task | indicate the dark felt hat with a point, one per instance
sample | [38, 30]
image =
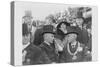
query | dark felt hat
[72, 31]
[48, 29]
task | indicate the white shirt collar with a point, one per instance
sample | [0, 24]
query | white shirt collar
[24, 46]
[47, 43]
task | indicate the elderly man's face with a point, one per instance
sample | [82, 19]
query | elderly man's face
[49, 37]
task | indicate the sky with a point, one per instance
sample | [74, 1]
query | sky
[40, 10]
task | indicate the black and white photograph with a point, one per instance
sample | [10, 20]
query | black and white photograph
[48, 33]
[56, 35]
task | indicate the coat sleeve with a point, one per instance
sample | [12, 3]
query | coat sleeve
[44, 57]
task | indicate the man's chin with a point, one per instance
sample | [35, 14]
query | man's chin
[51, 42]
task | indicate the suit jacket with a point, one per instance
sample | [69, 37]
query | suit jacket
[35, 55]
[49, 51]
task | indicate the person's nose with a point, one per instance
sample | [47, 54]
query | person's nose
[53, 38]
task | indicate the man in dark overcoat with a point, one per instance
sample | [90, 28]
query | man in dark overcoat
[48, 46]
[34, 55]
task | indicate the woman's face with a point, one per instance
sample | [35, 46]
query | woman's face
[79, 21]
[63, 26]
[72, 37]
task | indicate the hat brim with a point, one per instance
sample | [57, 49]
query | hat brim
[27, 16]
[72, 33]
[48, 32]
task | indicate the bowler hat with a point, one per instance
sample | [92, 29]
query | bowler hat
[48, 29]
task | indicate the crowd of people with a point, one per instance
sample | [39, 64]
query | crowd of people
[56, 42]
